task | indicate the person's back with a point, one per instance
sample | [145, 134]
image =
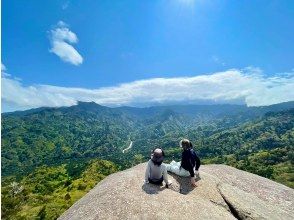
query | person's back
[189, 162]
[156, 171]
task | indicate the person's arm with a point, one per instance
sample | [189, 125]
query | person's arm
[190, 168]
[147, 172]
[198, 163]
[192, 174]
[165, 178]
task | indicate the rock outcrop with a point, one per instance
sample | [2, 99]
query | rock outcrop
[223, 192]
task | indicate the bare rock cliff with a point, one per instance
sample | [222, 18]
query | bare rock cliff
[223, 192]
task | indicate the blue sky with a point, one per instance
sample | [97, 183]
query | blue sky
[98, 45]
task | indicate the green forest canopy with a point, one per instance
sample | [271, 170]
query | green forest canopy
[51, 157]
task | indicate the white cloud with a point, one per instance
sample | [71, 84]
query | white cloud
[61, 39]
[232, 86]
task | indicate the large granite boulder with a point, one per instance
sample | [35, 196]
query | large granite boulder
[223, 192]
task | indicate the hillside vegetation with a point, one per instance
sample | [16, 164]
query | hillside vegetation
[48, 191]
[52, 156]
[264, 147]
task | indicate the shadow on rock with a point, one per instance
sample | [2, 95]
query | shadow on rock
[152, 189]
[182, 184]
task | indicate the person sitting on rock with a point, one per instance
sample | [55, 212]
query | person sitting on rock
[156, 171]
[189, 162]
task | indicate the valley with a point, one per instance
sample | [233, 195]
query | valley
[62, 153]
[128, 148]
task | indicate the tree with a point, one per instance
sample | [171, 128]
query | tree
[42, 213]
[138, 158]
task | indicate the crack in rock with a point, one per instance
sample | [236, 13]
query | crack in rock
[232, 209]
[215, 197]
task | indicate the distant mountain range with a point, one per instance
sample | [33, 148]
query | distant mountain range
[192, 110]
[87, 130]
[52, 156]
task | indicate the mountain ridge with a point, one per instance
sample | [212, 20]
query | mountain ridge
[180, 108]
[62, 142]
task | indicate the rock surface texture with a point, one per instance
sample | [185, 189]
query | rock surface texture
[223, 192]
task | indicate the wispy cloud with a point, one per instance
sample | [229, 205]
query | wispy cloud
[65, 5]
[61, 39]
[217, 60]
[4, 71]
[249, 86]
[3, 68]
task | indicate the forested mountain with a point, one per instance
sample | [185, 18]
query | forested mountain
[264, 147]
[48, 136]
[60, 146]
[48, 191]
